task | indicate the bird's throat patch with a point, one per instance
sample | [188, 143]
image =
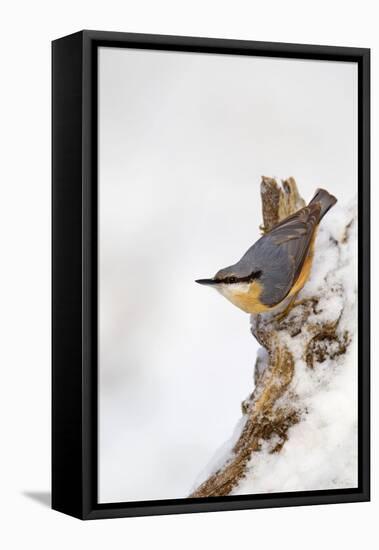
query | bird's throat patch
[245, 296]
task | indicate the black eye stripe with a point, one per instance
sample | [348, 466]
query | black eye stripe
[251, 277]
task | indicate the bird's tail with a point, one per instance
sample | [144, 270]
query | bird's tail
[325, 199]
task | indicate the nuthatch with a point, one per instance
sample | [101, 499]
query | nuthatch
[273, 270]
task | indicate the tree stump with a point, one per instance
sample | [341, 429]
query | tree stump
[304, 335]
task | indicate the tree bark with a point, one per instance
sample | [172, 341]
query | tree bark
[272, 407]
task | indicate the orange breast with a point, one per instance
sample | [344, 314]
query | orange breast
[250, 301]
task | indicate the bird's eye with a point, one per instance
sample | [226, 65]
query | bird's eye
[232, 280]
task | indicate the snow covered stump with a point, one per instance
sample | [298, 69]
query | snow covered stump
[299, 425]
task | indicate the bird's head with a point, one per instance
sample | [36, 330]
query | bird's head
[235, 285]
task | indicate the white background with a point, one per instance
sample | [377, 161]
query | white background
[27, 30]
[184, 139]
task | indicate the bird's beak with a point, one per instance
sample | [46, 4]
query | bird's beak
[207, 281]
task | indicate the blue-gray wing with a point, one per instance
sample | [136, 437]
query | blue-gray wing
[281, 253]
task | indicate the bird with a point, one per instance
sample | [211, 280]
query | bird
[275, 268]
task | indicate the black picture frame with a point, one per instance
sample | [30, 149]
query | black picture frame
[74, 273]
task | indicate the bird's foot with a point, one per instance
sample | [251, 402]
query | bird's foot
[289, 307]
[282, 315]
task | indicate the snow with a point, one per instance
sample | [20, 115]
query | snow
[321, 450]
